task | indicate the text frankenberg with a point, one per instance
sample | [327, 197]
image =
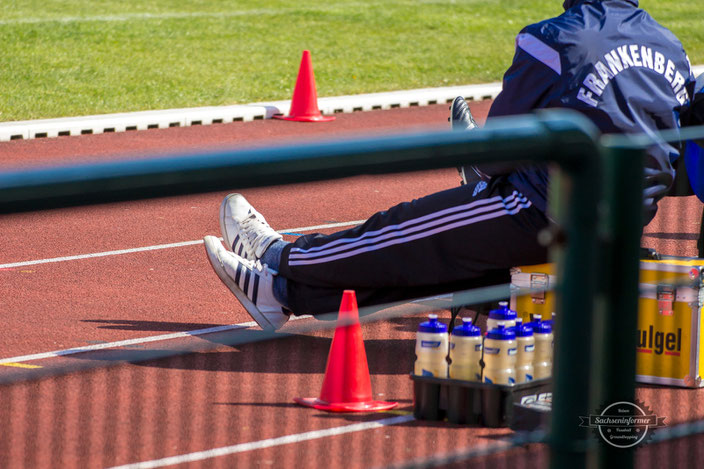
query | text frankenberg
[624, 57]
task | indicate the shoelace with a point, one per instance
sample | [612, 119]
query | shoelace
[256, 266]
[264, 269]
[256, 231]
[259, 267]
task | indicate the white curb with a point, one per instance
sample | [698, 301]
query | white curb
[245, 112]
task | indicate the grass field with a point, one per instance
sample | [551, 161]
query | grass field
[79, 57]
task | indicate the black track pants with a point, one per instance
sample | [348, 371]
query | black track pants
[448, 241]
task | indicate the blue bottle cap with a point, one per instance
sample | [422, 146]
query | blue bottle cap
[532, 324]
[542, 327]
[503, 313]
[501, 333]
[524, 331]
[432, 325]
[467, 329]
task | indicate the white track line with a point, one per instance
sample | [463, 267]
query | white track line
[132, 342]
[282, 440]
[99, 254]
[126, 343]
[161, 246]
[143, 340]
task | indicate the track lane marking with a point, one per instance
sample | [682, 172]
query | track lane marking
[143, 340]
[124, 343]
[16, 361]
[19, 365]
[160, 246]
[100, 254]
[268, 443]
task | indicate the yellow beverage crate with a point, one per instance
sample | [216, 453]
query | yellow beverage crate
[669, 349]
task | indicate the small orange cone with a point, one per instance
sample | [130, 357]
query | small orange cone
[304, 105]
[346, 386]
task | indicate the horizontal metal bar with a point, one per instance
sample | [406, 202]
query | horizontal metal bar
[531, 138]
[647, 140]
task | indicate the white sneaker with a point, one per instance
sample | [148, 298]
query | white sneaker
[250, 281]
[245, 230]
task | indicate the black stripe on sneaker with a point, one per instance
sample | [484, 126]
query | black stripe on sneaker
[234, 243]
[255, 288]
[245, 288]
[238, 274]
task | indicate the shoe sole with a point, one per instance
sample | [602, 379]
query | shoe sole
[250, 307]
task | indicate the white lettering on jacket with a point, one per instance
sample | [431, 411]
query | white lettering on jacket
[627, 56]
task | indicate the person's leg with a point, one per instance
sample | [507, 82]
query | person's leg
[440, 243]
[307, 299]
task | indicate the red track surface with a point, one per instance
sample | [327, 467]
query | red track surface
[109, 412]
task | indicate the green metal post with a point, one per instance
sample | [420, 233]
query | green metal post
[619, 288]
[575, 293]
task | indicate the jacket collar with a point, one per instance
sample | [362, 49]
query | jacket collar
[570, 3]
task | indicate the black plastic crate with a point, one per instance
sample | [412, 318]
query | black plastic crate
[471, 402]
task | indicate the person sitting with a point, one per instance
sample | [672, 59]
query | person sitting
[607, 59]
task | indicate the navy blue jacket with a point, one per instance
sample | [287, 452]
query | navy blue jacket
[614, 63]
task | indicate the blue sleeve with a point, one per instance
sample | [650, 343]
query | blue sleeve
[526, 83]
[694, 151]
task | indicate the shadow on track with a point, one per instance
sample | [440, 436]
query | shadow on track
[152, 326]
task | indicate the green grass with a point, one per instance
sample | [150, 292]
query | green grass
[79, 57]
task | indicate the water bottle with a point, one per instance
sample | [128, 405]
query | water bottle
[519, 324]
[525, 345]
[551, 321]
[535, 318]
[466, 351]
[542, 361]
[502, 316]
[431, 348]
[500, 356]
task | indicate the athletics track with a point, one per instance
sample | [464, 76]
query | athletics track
[118, 282]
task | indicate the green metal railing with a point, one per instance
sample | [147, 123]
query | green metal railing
[538, 140]
[598, 263]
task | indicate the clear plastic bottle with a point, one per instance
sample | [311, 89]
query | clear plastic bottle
[501, 316]
[542, 361]
[431, 348]
[466, 351]
[500, 356]
[526, 350]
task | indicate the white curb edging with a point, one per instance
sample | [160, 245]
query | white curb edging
[246, 112]
[186, 117]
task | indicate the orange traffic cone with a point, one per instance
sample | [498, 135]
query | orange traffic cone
[304, 105]
[346, 386]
